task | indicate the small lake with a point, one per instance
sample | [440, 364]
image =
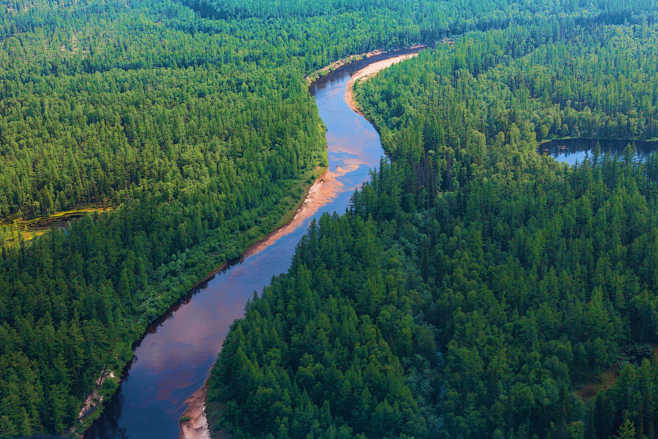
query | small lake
[572, 151]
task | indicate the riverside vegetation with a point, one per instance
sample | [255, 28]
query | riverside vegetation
[474, 288]
[191, 119]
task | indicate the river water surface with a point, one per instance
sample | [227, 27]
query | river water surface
[174, 358]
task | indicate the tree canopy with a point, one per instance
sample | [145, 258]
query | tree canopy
[474, 287]
[192, 120]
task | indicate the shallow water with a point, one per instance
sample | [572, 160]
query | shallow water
[174, 358]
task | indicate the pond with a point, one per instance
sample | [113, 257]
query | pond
[572, 151]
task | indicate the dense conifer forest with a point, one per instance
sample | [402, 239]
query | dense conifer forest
[497, 282]
[474, 289]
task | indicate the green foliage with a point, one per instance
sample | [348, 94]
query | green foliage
[627, 431]
[514, 88]
[487, 281]
[629, 407]
[319, 352]
[192, 117]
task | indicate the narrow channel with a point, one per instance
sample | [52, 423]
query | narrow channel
[174, 358]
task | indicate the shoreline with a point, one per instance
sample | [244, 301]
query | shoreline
[193, 422]
[315, 196]
[370, 71]
[317, 75]
[597, 139]
[327, 70]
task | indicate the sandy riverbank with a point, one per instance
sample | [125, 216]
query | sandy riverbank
[341, 63]
[195, 424]
[368, 72]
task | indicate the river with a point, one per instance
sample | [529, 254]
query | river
[174, 358]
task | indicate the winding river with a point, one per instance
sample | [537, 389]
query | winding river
[174, 358]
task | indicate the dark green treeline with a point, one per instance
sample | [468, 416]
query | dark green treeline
[191, 119]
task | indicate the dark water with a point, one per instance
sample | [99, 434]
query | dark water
[574, 151]
[175, 357]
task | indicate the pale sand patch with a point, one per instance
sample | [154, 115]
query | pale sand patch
[368, 72]
[94, 398]
[197, 425]
[322, 192]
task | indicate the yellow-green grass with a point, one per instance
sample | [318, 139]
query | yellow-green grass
[20, 229]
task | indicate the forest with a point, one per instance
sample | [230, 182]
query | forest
[192, 121]
[475, 288]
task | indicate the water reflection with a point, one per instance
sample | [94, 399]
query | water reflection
[575, 151]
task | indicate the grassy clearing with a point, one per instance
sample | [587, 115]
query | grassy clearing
[20, 229]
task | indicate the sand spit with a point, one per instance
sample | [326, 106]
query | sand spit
[193, 423]
[368, 72]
